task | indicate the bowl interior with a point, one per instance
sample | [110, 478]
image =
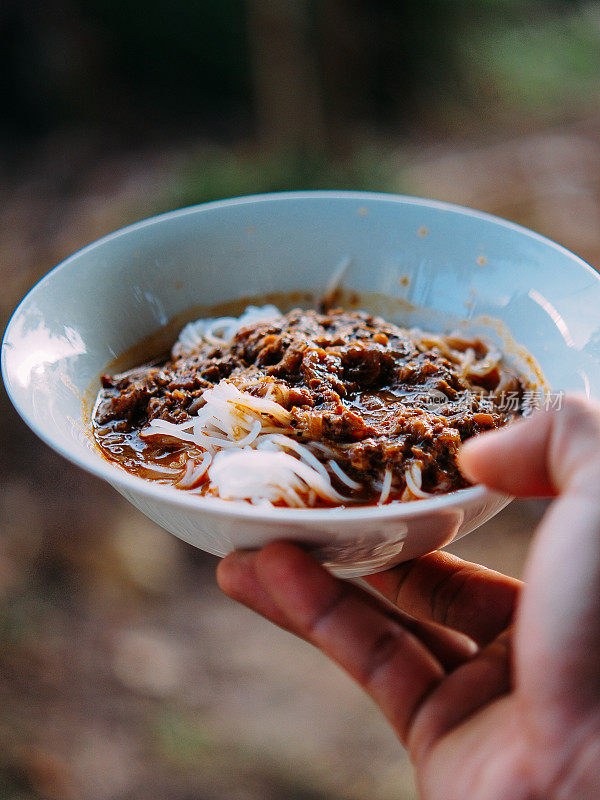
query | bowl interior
[414, 261]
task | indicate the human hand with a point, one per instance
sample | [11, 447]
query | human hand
[493, 686]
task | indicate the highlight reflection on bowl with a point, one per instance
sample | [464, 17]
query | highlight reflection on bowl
[106, 298]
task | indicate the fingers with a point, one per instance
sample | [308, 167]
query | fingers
[444, 589]
[512, 459]
[537, 456]
[385, 658]
[558, 621]
[237, 576]
[470, 688]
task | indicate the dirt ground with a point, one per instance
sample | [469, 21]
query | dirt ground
[124, 673]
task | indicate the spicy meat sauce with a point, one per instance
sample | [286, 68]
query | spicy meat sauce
[363, 388]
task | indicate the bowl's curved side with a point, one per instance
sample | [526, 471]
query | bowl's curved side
[456, 262]
[349, 546]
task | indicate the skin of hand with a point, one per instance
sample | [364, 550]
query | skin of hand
[492, 685]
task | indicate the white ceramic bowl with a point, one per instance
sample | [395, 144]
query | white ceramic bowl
[413, 254]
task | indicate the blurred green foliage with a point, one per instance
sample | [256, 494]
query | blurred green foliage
[137, 70]
[549, 69]
[218, 173]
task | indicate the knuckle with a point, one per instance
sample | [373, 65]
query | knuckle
[382, 652]
[403, 573]
[448, 593]
[326, 612]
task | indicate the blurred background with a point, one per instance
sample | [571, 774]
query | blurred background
[124, 673]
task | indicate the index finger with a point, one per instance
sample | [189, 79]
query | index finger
[238, 577]
[386, 659]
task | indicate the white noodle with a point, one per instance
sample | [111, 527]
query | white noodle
[193, 472]
[303, 452]
[486, 364]
[161, 470]
[246, 452]
[214, 443]
[460, 351]
[414, 478]
[184, 481]
[220, 330]
[171, 427]
[251, 436]
[321, 448]
[262, 501]
[339, 472]
[244, 474]
[232, 423]
[467, 361]
[156, 431]
[386, 486]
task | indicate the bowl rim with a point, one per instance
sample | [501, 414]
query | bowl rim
[122, 480]
[313, 194]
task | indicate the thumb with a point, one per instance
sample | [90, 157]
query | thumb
[537, 456]
[558, 620]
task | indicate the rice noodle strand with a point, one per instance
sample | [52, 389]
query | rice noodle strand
[245, 452]
[341, 475]
[413, 477]
[220, 330]
[242, 431]
[385, 489]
